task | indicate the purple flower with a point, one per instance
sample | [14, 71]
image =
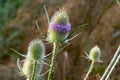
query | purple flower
[60, 27]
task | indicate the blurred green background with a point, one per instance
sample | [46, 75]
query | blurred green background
[18, 28]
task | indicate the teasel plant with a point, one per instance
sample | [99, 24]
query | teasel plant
[59, 28]
[34, 60]
[58, 33]
[94, 56]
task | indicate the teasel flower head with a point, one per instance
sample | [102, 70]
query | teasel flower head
[36, 52]
[59, 27]
[95, 53]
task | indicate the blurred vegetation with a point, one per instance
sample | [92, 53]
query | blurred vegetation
[8, 10]
[17, 28]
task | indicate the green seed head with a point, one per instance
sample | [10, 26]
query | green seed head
[36, 50]
[28, 68]
[95, 53]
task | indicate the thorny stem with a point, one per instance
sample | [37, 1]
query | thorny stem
[52, 61]
[112, 65]
[34, 70]
[90, 69]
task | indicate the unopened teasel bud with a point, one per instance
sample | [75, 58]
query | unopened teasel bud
[36, 50]
[95, 53]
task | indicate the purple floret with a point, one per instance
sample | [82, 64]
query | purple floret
[60, 27]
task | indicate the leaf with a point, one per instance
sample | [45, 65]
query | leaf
[75, 30]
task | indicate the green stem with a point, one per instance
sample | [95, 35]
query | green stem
[90, 69]
[52, 61]
[34, 70]
[112, 65]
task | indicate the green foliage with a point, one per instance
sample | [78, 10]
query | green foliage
[7, 41]
[8, 9]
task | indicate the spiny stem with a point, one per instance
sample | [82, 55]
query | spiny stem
[90, 69]
[52, 61]
[34, 70]
[112, 65]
